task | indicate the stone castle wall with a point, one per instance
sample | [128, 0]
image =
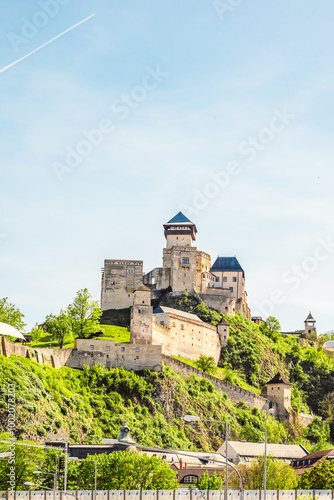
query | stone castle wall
[235, 393]
[186, 338]
[91, 352]
[119, 280]
[221, 300]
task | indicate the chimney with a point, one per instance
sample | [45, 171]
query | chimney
[185, 465]
[181, 464]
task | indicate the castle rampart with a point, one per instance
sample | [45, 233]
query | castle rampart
[237, 394]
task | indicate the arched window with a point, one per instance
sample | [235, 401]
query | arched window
[190, 479]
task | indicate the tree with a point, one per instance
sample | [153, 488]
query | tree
[59, 327]
[279, 475]
[122, 470]
[37, 332]
[206, 363]
[320, 477]
[20, 466]
[207, 482]
[271, 327]
[11, 315]
[84, 313]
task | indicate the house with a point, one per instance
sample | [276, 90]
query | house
[240, 451]
[308, 461]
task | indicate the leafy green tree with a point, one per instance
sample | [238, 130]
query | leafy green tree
[280, 476]
[23, 461]
[37, 332]
[84, 313]
[318, 432]
[122, 470]
[59, 327]
[11, 315]
[321, 476]
[207, 482]
[206, 364]
[271, 327]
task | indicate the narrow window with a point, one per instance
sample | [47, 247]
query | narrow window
[92, 348]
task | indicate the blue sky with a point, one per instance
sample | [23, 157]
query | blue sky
[186, 93]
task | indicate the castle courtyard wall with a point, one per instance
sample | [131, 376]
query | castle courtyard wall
[184, 337]
[221, 300]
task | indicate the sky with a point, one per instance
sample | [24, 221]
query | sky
[116, 115]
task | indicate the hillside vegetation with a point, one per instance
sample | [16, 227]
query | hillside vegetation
[91, 404]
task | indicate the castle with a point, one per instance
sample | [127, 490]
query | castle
[221, 286]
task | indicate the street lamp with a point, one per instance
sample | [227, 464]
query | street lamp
[271, 411]
[28, 483]
[54, 480]
[190, 418]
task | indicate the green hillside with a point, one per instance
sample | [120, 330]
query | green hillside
[91, 404]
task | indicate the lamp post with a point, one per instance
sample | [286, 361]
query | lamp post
[28, 483]
[54, 479]
[191, 418]
[270, 412]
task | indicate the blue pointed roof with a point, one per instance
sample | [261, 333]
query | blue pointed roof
[179, 218]
[226, 264]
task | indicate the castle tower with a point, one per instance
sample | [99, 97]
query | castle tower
[222, 330]
[141, 316]
[310, 325]
[179, 256]
[279, 392]
[180, 231]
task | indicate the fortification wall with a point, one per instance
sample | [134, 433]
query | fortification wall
[185, 338]
[221, 300]
[235, 393]
[119, 279]
[92, 352]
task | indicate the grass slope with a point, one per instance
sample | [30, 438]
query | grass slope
[91, 404]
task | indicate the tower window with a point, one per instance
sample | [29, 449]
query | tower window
[225, 279]
[184, 274]
[217, 278]
[92, 348]
[231, 288]
[234, 279]
[185, 260]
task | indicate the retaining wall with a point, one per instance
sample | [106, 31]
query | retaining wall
[234, 392]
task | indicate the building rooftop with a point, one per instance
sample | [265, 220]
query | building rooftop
[170, 310]
[279, 379]
[226, 264]
[142, 288]
[310, 317]
[179, 218]
[252, 450]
